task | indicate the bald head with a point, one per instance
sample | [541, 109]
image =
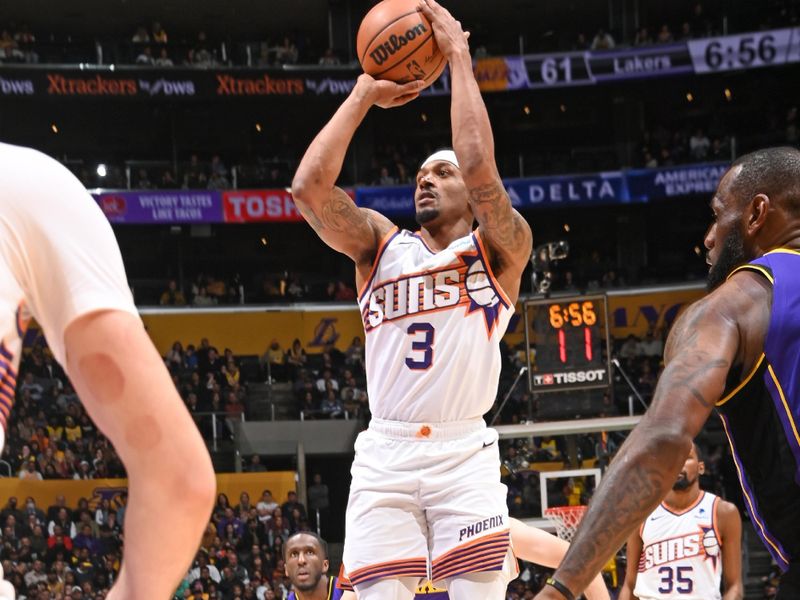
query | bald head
[774, 172]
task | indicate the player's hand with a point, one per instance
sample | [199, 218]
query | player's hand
[449, 35]
[386, 94]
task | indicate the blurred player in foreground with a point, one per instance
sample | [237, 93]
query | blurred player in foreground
[60, 264]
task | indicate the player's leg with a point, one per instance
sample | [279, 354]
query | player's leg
[386, 547]
[397, 588]
[467, 516]
[128, 392]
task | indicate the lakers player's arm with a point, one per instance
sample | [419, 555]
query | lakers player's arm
[730, 531]
[505, 232]
[633, 551]
[538, 546]
[703, 345]
[353, 231]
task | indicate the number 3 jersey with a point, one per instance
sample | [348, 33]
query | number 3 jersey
[433, 323]
[681, 555]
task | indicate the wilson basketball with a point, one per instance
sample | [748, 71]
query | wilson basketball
[395, 42]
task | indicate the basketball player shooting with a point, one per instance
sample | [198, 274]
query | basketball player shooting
[426, 498]
[739, 349]
[60, 264]
[687, 545]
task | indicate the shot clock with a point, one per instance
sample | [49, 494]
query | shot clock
[570, 336]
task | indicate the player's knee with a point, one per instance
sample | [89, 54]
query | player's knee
[395, 588]
[490, 585]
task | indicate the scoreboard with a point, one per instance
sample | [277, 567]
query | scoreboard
[571, 339]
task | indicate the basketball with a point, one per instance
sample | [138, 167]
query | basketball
[395, 42]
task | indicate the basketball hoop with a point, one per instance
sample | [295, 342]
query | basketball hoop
[566, 519]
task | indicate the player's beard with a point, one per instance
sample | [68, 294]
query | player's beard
[426, 215]
[730, 256]
[683, 483]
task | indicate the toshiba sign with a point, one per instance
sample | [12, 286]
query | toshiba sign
[250, 206]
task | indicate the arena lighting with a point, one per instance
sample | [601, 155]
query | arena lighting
[424, 118]
[526, 109]
[728, 94]
[258, 127]
[54, 128]
[101, 170]
[690, 97]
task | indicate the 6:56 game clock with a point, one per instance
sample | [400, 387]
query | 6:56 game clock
[570, 335]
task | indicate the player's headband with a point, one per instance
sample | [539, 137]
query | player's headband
[445, 155]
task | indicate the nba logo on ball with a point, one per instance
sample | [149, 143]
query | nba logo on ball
[479, 287]
[710, 543]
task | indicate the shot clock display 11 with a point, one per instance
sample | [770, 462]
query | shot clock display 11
[570, 338]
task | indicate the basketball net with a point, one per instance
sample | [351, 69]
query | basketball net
[566, 519]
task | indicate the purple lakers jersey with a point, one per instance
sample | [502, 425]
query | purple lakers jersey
[760, 412]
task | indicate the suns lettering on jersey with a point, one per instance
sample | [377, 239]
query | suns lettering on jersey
[679, 548]
[463, 283]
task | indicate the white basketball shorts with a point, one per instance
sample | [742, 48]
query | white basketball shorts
[426, 501]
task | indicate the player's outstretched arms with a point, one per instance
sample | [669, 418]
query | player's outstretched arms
[128, 392]
[633, 551]
[539, 547]
[328, 209]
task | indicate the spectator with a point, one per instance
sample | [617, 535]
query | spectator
[158, 34]
[172, 296]
[274, 361]
[141, 36]
[602, 40]
[318, 496]
[29, 471]
[651, 346]
[256, 466]
[203, 299]
[286, 53]
[630, 347]
[665, 35]
[31, 386]
[266, 498]
[329, 58]
[699, 145]
[163, 59]
[296, 359]
[331, 405]
[145, 57]
[643, 37]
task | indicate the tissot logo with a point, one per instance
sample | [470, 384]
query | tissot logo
[395, 42]
[16, 87]
[593, 375]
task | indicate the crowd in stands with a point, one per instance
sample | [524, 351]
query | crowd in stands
[73, 552]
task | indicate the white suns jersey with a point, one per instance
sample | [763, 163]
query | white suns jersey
[58, 259]
[681, 555]
[433, 324]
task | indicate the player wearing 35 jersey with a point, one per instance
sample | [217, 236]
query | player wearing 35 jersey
[687, 545]
[426, 499]
[60, 264]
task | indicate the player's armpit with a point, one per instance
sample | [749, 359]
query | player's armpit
[341, 224]
[505, 231]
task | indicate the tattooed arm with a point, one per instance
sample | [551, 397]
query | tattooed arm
[704, 343]
[328, 209]
[506, 233]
